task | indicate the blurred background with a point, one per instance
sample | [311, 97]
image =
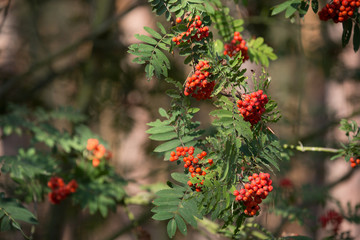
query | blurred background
[74, 53]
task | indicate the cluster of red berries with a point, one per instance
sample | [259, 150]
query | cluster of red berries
[196, 30]
[332, 219]
[253, 193]
[339, 10]
[354, 161]
[236, 45]
[253, 106]
[193, 164]
[59, 190]
[198, 85]
[97, 151]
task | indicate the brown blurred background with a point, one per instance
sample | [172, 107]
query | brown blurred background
[74, 53]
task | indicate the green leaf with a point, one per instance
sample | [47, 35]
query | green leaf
[196, 1]
[356, 37]
[168, 146]
[315, 5]
[161, 27]
[166, 201]
[170, 193]
[243, 128]
[188, 217]
[5, 224]
[258, 42]
[163, 136]
[160, 129]
[165, 208]
[162, 57]
[347, 28]
[149, 69]
[171, 228]
[181, 224]
[103, 210]
[158, 123]
[290, 11]
[209, 9]
[180, 177]
[281, 7]
[146, 39]
[224, 121]
[163, 113]
[191, 206]
[221, 113]
[162, 216]
[17, 211]
[152, 32]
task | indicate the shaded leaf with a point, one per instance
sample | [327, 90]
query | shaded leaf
[171, 228]
[181, 224]
[347, 29]
[162, 216]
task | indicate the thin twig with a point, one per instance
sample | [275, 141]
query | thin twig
[302, 148]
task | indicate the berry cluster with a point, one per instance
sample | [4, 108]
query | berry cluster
[333, 219]
[253, 193]
[59, 190]
[97, 151]
[236, 45]
[252, 106]
[196, 30]
[339, 10]
[354, 161]
[198, 85]
[192, 163]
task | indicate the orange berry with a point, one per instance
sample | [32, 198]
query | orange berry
[92, 143]
[95, 162]
[99, 151]
[178, 20]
